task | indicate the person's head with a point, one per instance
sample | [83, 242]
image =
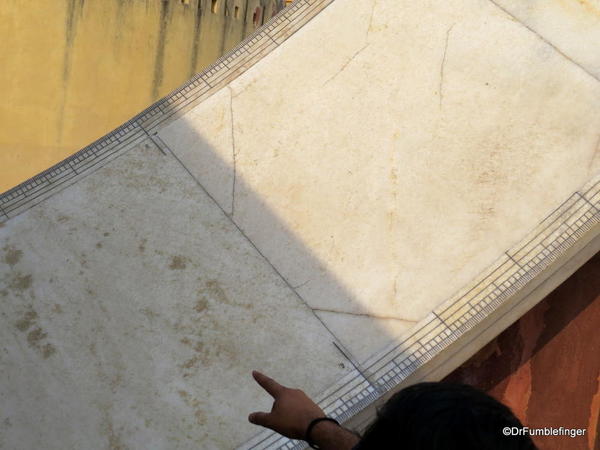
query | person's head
[432, 416]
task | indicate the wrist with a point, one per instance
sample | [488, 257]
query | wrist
[323, 427]
[329, 435]
[318, 429]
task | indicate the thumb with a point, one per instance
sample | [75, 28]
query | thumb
[260, 418]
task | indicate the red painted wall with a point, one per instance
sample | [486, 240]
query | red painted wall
[546, 366]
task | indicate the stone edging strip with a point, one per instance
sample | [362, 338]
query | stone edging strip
[575, 220]
[146, 124]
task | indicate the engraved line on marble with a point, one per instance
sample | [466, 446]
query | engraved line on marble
[559, 51]
[56, 185]
[50, 186]
[563, 206]
[442, 320]
[233, 151]
[155, 110]
[551, 256]
[473, 338]
[532, 268]
[284, 279]
[479, 285]
[381, 360]
[156, 140]
[591, 189]
[586, 200]
[72, 167]
[595, 154]
[356, 365]
[513, 260]
[472, 321]
[302, 284]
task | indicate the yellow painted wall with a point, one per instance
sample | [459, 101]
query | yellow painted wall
[73, 70]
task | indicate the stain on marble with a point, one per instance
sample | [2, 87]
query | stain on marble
[191, 363]
[47, 350]
[20, 282]
[178, 262]
[113, 436]
[195, 404]
[207, 339]
[591, 7]
[27, 320]
[200, 335]
[12, 255]
[142, 246]
[214, 288]
[152, 332]
[201, 304]
[215, 291]
[36, 336]
[149, 313]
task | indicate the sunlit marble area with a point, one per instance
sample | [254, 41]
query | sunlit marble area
[403, 149]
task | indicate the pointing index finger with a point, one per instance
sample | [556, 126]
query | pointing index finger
[268, 384]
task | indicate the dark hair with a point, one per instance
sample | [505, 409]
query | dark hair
[432, 416]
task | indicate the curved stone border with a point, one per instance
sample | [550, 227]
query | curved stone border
[576, 220]
[144, 125]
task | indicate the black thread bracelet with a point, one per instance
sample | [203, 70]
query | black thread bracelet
[310, 427]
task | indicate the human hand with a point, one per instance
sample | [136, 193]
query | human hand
[292, 410]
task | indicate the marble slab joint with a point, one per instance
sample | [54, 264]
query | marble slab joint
[546, 41]
[589, 202]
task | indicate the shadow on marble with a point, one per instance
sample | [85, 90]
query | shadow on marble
[134, 308]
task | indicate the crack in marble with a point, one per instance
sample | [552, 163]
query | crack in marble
[371, 19]
[442, 66]
[301, 284]
[594, 154]
[367, 43]
[373, 316]
[560, 52]
[255, 247]
[346, 64]
[233, 151]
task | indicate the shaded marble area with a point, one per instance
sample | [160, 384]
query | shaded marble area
[132, 313]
